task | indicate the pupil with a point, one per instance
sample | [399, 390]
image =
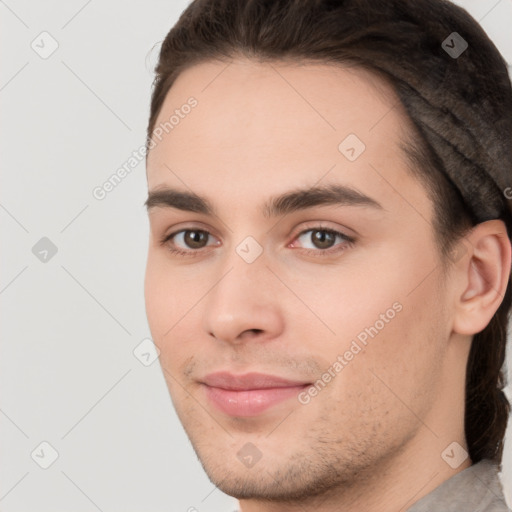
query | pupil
[195, 239]
[323, 239]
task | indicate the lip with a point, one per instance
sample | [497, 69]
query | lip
[250, 394]
[248, 381]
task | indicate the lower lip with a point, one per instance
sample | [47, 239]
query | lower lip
[250, 402]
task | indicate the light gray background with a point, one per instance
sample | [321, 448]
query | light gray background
[70, 325]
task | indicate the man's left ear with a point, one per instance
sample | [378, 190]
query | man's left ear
[483, 274]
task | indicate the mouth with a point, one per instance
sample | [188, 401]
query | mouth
[250, 394]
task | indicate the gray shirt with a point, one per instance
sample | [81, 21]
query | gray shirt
[474, 489]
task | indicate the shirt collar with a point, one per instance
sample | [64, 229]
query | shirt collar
[474, 489]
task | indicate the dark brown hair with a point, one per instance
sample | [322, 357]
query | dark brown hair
[460, 108]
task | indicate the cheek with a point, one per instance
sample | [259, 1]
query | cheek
[390, 323]
[403, 361]
[164, 299]
[170, 308]
[157, 299]
[387, 384]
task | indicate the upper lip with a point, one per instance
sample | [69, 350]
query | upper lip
[226, 380]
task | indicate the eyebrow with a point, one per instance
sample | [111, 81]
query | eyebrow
[292, 201]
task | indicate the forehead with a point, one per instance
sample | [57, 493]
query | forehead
[259, 128]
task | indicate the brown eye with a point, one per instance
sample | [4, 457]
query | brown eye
[195, 239]
[187, 241]
[322, 239]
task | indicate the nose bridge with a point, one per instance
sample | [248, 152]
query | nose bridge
[243, 297]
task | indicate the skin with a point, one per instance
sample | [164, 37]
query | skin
[372, 438]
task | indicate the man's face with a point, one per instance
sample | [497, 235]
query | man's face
[349, 326]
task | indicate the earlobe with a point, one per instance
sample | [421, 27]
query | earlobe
[485, 272]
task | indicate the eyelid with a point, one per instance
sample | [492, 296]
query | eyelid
[315, 226]
[170, 236]
[333, 251]
[185, 226]
[322, 226]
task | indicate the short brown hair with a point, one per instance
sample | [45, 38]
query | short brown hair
[460, 109]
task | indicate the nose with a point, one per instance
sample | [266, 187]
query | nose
[244, 303]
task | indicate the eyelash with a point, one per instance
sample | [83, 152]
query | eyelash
[348, 242]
